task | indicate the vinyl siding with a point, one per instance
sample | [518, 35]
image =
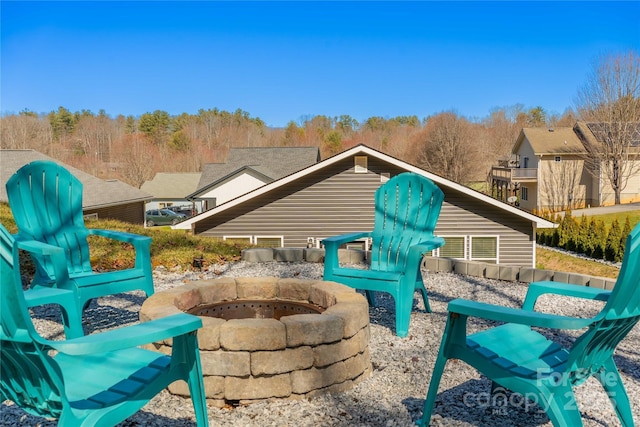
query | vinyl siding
[335, 200]
[130, 212]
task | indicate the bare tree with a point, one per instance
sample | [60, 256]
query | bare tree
[610, 105]
[447, 147]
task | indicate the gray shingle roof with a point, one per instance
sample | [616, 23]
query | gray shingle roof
[272, 162]
[167, 185]
[98, 193]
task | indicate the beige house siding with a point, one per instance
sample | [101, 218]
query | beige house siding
[336, 200]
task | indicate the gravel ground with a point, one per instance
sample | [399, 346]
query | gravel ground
[393, 395]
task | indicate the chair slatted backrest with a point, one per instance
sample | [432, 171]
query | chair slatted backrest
[46, 202]
[619, 315]
[26, 372]
[407, 208]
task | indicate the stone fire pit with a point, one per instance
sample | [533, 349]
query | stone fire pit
[267, 337]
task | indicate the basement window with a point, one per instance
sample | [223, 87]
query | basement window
[361, 164]
[484, 248]
[269, 241]
[454, 247]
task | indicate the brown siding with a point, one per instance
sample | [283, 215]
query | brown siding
[131, 212]
[335, 200]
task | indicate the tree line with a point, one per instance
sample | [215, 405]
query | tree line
[133, 149]
[455, 147]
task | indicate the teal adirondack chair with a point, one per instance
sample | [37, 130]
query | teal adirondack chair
[407, 208]
[46, 202]
[95, 380]
[523, 360]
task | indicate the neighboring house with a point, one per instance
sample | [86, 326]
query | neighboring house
[101, 198]
[336, 196]
[171, 189]
[247, 169]
[549, 172]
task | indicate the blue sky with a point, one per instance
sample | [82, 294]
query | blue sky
[284, 61]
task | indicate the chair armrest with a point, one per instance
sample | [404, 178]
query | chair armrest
[331, 245]
[55, 254]
[536, 289]
[515, 315]
[345, 238]
[121, 236]
[141, 244]
[416, 252]
[128, 337]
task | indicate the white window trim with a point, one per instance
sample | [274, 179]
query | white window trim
[472, 258]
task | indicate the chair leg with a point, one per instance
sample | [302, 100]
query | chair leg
[430, 400]
[561, 407]
[371, 298]
[196, 386]
[404, 304]
[423, 291]
[612, 383]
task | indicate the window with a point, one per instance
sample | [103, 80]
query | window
[484, 248]
[269, 241]
[525, 162]
[238, 239]
[524, 193]
[453, 248]
[361, 164]
[557, 159]
[262, 241]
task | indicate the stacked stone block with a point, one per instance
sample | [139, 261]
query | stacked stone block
[245, 360]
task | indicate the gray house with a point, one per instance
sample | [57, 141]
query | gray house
[101, 199]
[335, 196]
[247, 169]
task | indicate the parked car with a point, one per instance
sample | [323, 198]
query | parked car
[163, 217]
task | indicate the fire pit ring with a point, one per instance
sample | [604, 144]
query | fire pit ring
[268, 337]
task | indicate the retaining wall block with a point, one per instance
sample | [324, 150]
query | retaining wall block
[253, 335]
[218, 290]
[288, 254]
[312, 329]
[543, 275]
[257, 387]
[226, 363]
[561, 276]
[358, 364]
[355, 316]
[314, 255]
[492, 271]
[280, 362]
[351, 256]
[527, 274]
[209, 334]
[602, 283]
[257, 255]
[294, 289]
[256, 287]
[315, 378]
[328, 354]
[509, 272]
[578, 279]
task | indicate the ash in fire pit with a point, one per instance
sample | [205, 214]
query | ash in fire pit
[271, 338]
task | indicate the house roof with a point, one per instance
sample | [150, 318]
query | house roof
[562, 140]
[98, 193]
[271, 162]
[364, 150]
[166, 185]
